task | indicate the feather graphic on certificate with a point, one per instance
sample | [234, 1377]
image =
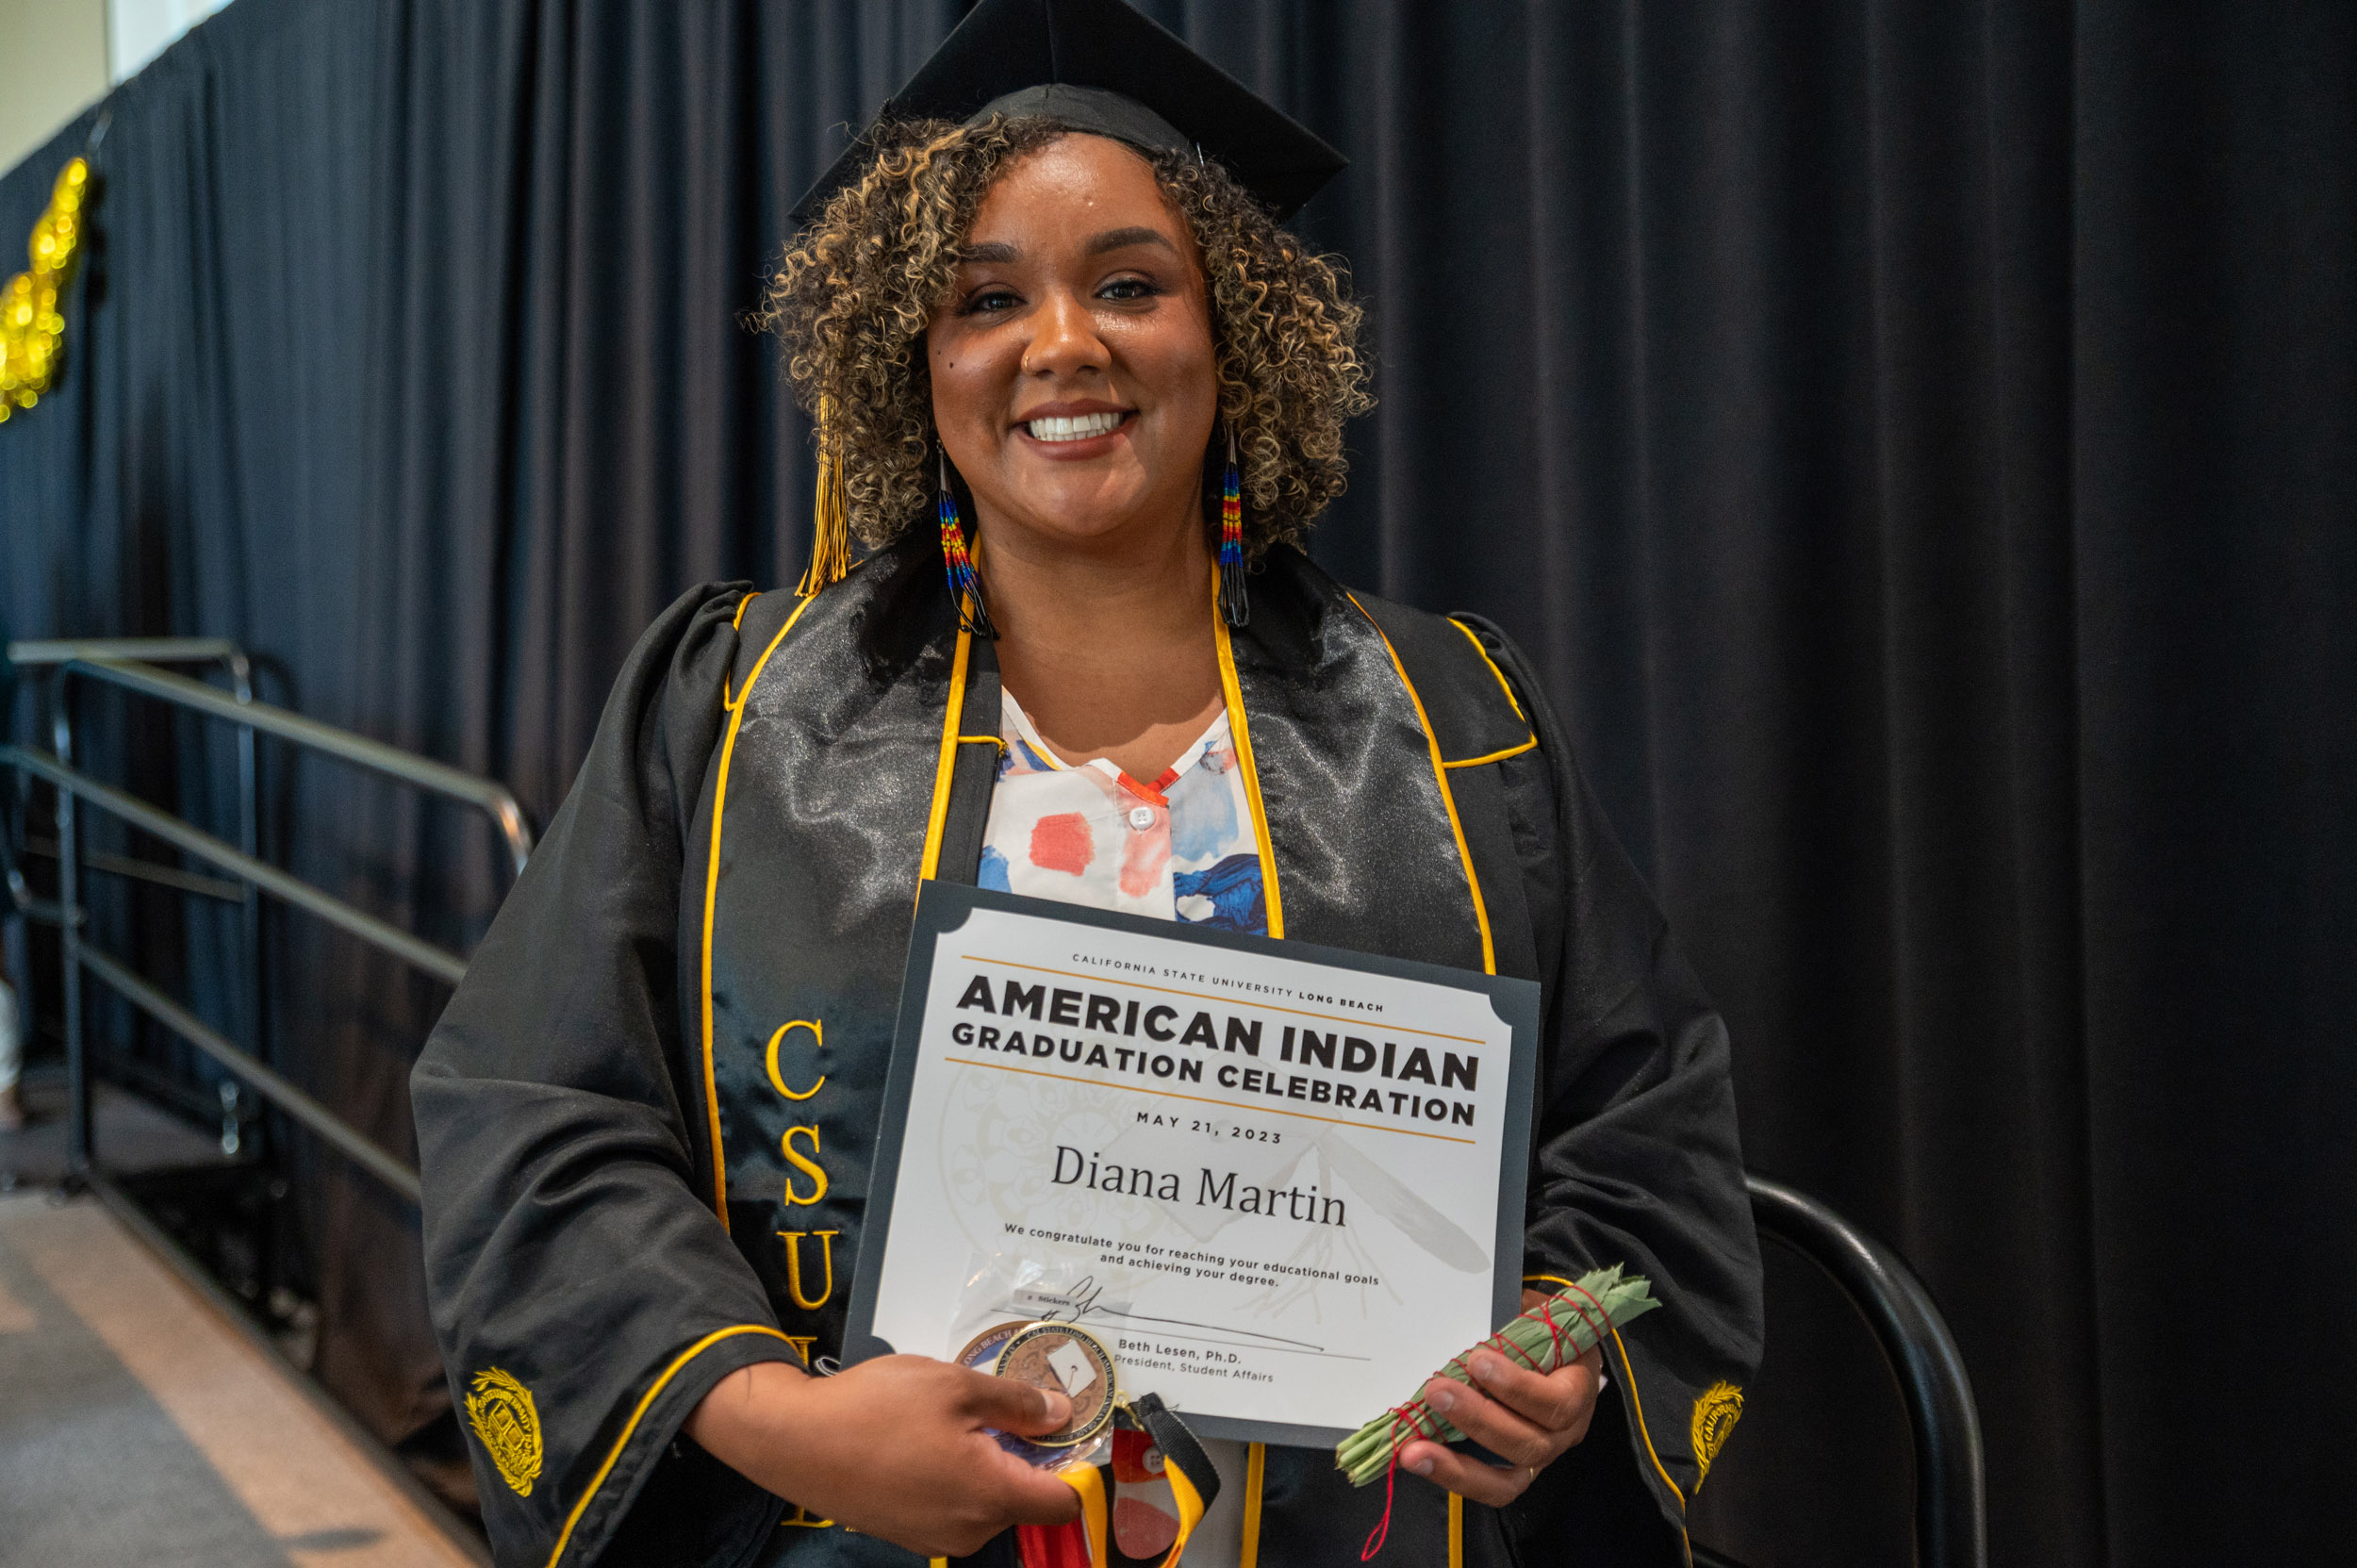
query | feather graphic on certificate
[1395, 1201]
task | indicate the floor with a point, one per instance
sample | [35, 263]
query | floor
[131, 1135]
[138, 1426]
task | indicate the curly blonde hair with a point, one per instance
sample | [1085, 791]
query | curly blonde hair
[855, 295]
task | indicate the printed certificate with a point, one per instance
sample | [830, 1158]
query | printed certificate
[1257, 1170]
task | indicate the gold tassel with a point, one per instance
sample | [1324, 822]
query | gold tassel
[831, 513]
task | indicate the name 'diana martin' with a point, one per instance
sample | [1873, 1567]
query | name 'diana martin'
[1074, 1168]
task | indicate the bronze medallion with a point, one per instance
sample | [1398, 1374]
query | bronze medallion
[1070, 1360]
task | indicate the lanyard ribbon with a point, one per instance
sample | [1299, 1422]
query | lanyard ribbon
[1089, 1542]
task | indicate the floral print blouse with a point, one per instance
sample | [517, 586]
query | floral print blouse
[1179, 848]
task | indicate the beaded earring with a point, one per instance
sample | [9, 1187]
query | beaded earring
[1231, 593]
[965, 587]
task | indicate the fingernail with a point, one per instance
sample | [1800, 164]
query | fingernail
[1486, 1368]
[1443, 1400]
[1421, 1467]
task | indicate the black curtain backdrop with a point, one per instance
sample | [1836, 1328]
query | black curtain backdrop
[1916, 441]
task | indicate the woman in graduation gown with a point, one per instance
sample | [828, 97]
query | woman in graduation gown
[1044, 304]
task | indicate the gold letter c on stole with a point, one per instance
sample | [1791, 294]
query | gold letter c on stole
[769, 1058]
[793, 1240]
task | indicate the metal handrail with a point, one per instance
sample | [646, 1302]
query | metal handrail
[144, 871]
[71, 784]
[67, 911]
[287, 1098]
[1950, 1487]
[438, 961]
[154, 650]
[28, 903]
[491, 797]
[221, 651]
[130, 663]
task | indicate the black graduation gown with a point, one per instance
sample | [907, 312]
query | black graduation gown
[646, 1117]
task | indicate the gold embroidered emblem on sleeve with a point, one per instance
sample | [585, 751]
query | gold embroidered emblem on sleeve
[1715, 1415]
[501, 1411]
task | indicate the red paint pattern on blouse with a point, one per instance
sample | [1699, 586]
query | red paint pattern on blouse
[1063, 843]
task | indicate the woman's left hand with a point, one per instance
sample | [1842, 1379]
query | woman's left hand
[1526, 1419]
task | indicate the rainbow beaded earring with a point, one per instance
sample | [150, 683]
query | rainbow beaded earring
[965, 586]
[1231, 597]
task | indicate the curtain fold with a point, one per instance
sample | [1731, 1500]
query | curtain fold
[1915, 442]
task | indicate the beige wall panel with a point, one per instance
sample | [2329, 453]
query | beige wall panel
[53, 62]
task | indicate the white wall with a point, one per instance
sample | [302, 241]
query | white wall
[53, 62]
[139, 30]
[56, 57]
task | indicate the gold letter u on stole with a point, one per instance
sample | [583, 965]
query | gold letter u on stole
[793, 1240]
[770, 1058]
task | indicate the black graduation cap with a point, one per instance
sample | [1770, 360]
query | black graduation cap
[1098, 66]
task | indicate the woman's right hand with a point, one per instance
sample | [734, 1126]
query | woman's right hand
[892, 1447]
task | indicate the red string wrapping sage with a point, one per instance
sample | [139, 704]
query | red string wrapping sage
[1559, 1331]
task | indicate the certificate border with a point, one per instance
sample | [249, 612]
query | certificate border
[944, 907]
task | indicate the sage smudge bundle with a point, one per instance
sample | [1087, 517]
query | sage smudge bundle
[1557, 1331]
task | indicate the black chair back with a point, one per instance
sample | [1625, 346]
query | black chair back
[1950, 1506]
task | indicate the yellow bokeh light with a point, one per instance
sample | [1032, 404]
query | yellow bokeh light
[32, 324]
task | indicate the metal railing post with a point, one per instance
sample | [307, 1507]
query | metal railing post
[250, 841]
[81, 1140]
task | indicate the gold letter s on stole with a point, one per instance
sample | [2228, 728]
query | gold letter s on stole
[805, 1165]
[793, 1240]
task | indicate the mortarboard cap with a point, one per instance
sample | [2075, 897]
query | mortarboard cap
[1098, 66]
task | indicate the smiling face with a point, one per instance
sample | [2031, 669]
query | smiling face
[1073, 375]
